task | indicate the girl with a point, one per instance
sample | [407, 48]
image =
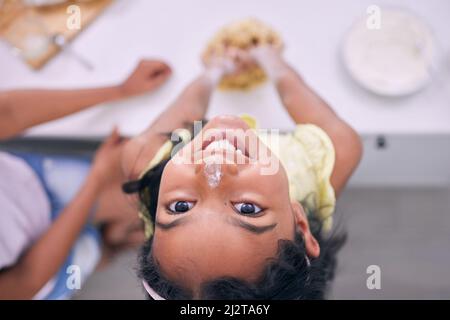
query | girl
[226, 219]
[50, 206]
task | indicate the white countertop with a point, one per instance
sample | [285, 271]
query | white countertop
[177, 31]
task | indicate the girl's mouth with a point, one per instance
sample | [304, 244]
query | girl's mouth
[225, 140]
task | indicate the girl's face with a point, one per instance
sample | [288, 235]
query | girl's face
[221, 211]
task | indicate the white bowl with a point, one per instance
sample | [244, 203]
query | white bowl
[43, 3]
[394, 60]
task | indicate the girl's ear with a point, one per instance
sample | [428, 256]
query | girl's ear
[311, 244]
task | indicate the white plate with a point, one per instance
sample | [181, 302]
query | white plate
[394, 60]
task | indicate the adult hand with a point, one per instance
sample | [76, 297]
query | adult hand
[146, 77]
[106, 162]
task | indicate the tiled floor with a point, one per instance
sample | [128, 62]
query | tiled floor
[117, 281]
[405, 232]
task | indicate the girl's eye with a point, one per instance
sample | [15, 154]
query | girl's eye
[247, 208]
[180, 206]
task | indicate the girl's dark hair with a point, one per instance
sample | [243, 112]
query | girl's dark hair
[290, 275]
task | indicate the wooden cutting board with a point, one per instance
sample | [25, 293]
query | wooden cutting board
[19, 23]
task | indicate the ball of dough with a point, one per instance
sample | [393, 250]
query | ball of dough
[243, 35]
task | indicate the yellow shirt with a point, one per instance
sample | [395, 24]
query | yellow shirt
[307, 154]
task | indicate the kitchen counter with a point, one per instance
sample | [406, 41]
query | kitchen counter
[177, 32]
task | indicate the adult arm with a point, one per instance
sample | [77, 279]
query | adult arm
[44, 258]
[22, 109]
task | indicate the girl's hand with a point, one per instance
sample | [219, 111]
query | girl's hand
[217, 66]
[148, 75]
[106, 162]
[233, 61]
[224, 63]
[270, 59]
[237, 60]
[264, 53]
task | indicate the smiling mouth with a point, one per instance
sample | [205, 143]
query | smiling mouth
[227, 142]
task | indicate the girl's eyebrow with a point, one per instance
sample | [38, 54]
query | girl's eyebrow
[235, 221]
[251, 227]
[173, 224]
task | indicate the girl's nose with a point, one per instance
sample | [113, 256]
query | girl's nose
[214, 172]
